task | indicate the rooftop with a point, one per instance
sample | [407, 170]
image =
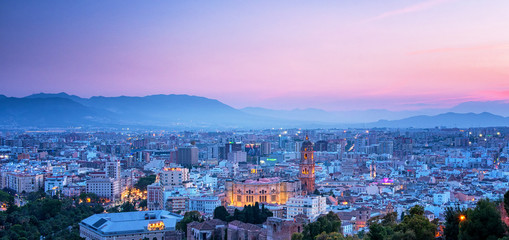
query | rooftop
[129, 222]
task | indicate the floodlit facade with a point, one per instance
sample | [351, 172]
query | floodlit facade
[263, 190]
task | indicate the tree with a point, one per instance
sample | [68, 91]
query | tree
[127, 207]
[221, 213]
[452, 223]
[482, 222]
[189, 217]
[113, 210]
[251, 214]
[377, 232]
[316, 192]
[328, 223]
[417, 225]
[297, 236]
[330, 236]
[144, 182]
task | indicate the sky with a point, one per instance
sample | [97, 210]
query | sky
[333, 55]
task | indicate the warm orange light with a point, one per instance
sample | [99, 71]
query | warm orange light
[462, 217]
[173, 169]
[88, 200]
[156, 226]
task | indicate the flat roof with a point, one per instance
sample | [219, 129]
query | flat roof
[129, 222]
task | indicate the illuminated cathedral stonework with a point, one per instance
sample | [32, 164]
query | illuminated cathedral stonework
[307, 167]
[263, 190]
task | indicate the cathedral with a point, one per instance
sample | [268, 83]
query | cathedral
[307, 167]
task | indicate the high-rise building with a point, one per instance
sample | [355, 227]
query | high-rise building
[112, 169]
[187, 156]
[307, 167]
[266, 148]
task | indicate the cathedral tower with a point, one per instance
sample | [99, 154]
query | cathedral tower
[307, 167]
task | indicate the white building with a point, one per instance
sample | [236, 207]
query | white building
[23, 182]
[104, 187]
[205, 204]
[174, 176]
[112, 169]
[311, 206]
[54, 184]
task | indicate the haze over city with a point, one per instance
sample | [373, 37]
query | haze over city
[332, 55]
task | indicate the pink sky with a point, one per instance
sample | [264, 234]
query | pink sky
[330, 54]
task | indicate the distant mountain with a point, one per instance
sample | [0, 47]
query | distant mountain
[460, 120]
[156, 110]
[185, 111]
[319, 115]
[55, 95]
[47, 112]
[495, 107]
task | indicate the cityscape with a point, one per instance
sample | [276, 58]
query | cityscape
[288, 120]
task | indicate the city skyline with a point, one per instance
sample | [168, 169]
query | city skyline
[395, 55]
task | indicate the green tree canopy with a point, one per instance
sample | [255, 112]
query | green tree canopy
[452, 222]
[221, 213]
[328, 223]
[144, 182]
[189, 217]
[417, 225]
[482, 222]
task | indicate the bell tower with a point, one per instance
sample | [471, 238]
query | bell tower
[307, 167]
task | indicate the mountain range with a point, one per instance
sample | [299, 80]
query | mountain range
[185, 111]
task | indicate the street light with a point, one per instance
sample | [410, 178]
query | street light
[462, 218]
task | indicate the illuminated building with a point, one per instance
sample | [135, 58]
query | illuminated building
[263, 190]
[129, 225]
[307, 167]
[174, 176]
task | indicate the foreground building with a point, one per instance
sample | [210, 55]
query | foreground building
[309, 206]
[129, 225]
